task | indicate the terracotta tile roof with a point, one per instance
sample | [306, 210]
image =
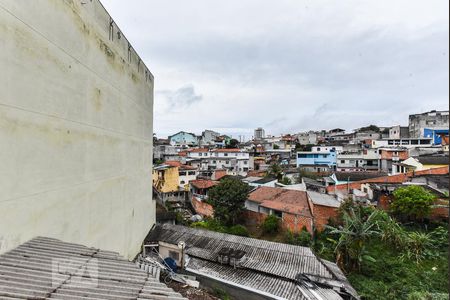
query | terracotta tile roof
[203, 183]
[202, 208]
[289, 201]
[197, 150]
[445, 140]
[175, 163]
[227, 150]
[182, 153]
[398, 178]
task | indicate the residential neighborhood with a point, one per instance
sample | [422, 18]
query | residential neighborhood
[224, 150]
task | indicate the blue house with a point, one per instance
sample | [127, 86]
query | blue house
[435, 134]
[183, 138]
[317, 156]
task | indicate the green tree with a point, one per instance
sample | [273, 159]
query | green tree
[412, 202]
[228, 199]
[271, 224]
[275, 170]
[233, 143]
[285, 180]
[275, 147]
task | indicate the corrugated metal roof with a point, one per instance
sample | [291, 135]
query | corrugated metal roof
[45, 268]
[267, 266]
[324, 199]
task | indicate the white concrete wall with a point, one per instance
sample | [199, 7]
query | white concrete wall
[75, 128]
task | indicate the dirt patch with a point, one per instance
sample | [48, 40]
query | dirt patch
[192, 293]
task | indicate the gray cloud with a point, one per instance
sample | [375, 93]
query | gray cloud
[179, 99]
[289, 65]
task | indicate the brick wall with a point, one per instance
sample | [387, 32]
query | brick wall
[253, 218]
[322, 214]
[295, 223]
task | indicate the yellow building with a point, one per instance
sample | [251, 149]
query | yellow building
[166, 179]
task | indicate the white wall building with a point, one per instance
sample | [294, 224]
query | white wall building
[76, 114]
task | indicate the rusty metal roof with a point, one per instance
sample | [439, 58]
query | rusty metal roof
[46, 268]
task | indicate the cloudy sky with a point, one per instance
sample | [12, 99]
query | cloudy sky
[289, 65]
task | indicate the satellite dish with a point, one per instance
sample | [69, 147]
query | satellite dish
[181, 244]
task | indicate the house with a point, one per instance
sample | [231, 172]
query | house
[199, 191]
[235, 160]
[186, 173]
[388, 156]
[291, 206]
[248, 268]
[183, 138]
[403, 142]
[361, 160]
[398, 132]
[260, 181]
[319, 155]
[433, 161]
[45, 268]
[209, 137]
[382, 193]
[323, 207]
[398, 178]
[431, 120]
[166, 183]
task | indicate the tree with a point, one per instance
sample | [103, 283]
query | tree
[356, 230]
[228, 199]
[233, 143]
[276, 171]
[412, 202]
[285, 180]
[275, 147]
[271, 224]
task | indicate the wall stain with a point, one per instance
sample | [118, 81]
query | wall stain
[97, 99]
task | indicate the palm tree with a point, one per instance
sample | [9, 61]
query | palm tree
[353, 235]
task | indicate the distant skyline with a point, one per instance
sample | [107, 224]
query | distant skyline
[289, 66]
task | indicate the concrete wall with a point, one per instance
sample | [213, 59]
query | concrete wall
[76, 108]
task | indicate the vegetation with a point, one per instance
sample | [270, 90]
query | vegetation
[303, 238]
[233, 143]
[276, 171]
[412, 202]
[275, 147]
[228, 198]
[384, 259]
[215, 225]
[271, 224]
[369, 128]
[285, 180]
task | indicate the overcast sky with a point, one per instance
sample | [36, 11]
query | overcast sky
[289, 65]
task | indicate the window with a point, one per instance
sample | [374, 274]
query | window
[213, 161]
[200, 154]
[301, 156]
[318, 148]
[182, 182]
[227, 162]
[191, 173]
[342, 161]
[174, 255]
[182, 173]
[245, 162]
[225, 154]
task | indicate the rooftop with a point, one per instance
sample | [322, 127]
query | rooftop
[272, 269]
[46, 268]
[323, 199]
[203, 183]
[289, 201]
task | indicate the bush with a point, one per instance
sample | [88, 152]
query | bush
[211, 224]
[238, 230]
[271, 224]
[303, 238]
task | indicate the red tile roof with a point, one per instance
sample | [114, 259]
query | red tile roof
[289, 201]
[175, 163]
[227, 150]
[203, 183]
[197, 150]
[398, 178]
[202, 208]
